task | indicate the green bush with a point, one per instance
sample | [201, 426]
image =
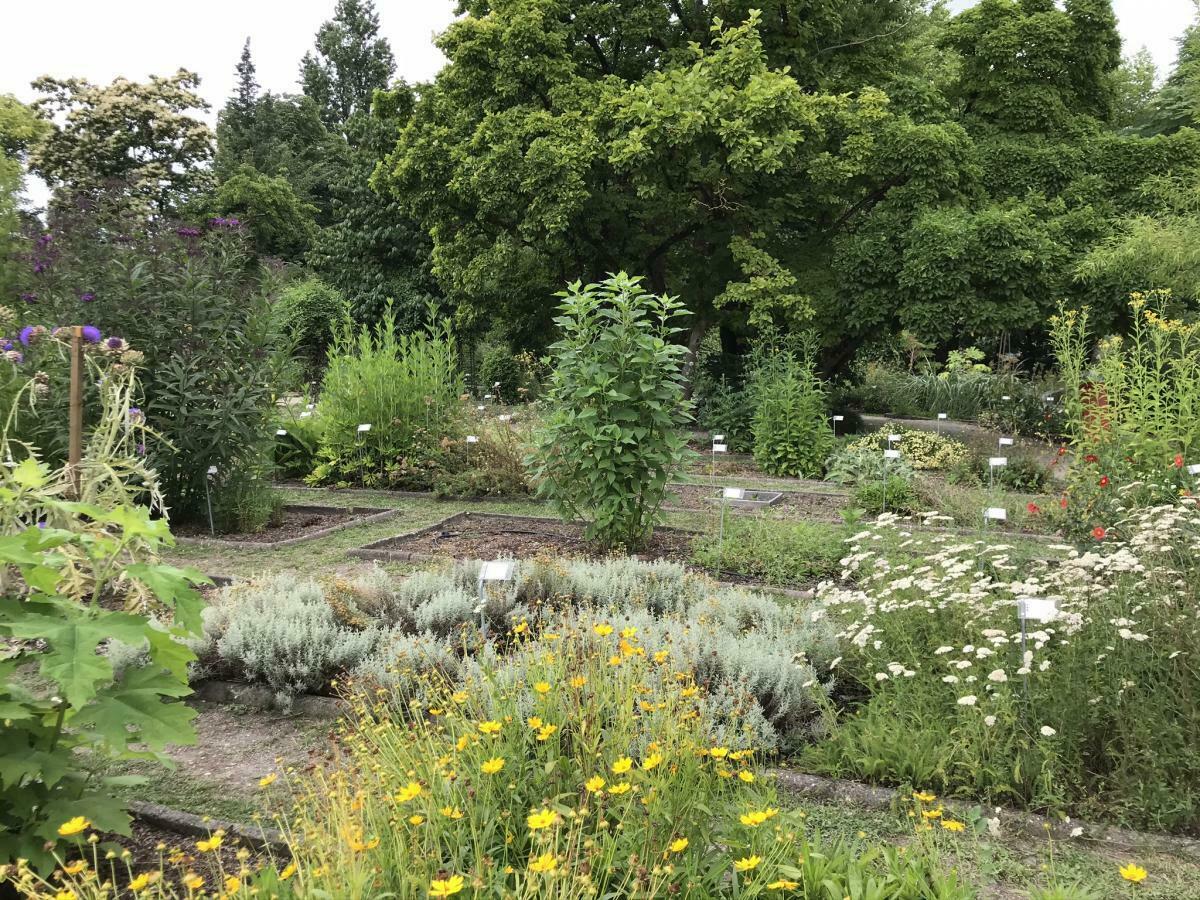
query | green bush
[921, 450]
[894, 494]
[311, 311]
[501, 375]
[492, 466]
[730, 412]
[1025, 472]
[774, 552]
[614, 433]
[406, 387]
[792, 434]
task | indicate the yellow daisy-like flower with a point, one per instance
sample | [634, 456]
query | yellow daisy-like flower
[651, 761]
[493, 765]
[545, 732]
[602, 629]
[622, 765]
[459, 697]
[923, 797]
[542, 687]
[952, 825]
[542, 819]
[233, 884]
[534, 722]
[268, 780]
[932, 813]
[628, 632]
[489, 727]
[746, 775]
[689, 692]
[719, 752]
[140, 883]
[445, 887]
[747, 863]
[521, 628]
[410, 791]
[544, 863]
[288, 871]
[452, 812]
[74, 826]
[783, 885]
[578, 681]
[207, 846]
[1133, 872]
[679, 845]
[194, 882]
[622, 788]
[75, 868]
[416, 820]
[65, 895]
[594, 784]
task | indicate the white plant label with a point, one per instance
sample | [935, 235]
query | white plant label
[942, 416]
[996, 513]
[496, 570]
[212, 470]
[1040, 609]
[1006, 442]
[481, 408]
[310, 406]
[1049, 398]
[839, 418]
[365, 427]
[894, 438]
[996, 461]
[1005, 397]
[487, 396]
[720, 448]
[504, 418]
[305, 414]
[496, 385]
[718, 438]
[891, 454]
[732, 493]
[472, 439]
[281, 432]
[1193, 470]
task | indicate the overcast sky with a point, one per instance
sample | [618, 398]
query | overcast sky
[134, 38]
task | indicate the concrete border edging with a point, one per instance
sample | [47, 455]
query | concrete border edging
[180, 822]
[356, 515]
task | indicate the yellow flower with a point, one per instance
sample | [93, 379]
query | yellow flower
[602, 629]
[416, 819]
[209, 845]
[65, 895]
[74, 826]
[462, 743]
[618, 789]
[651, 761]
[459, 697]
[622, 765]
[452, 812]
[628, 632]
[75, 868]
[140, 883]
[746, 775]
[493, 765]
[718, 752]
[724, 773]
[540, 820]
[932, 813]
[521, 628]
[268, 780]
[1133, 872]
[233, 884]
[194, 882]
[923, 797]
[661, 656]
[546, 731]
[578, 681]
[747, 863]
[679, 845]
[952, 825]
[534, 722]
[594, 784]
[542, 687]
[783, 885]
[288, 871]
[689, 692]
[489, 727]
[544, 863]
[410, 791]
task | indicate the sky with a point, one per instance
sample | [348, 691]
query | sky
[135, 38]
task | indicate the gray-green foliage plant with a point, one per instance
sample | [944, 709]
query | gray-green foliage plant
[792, 434]
[614, 433]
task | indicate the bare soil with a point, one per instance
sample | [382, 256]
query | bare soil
[793, 505]
[486, 537]
[293, 523]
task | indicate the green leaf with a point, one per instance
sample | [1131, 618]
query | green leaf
[133, 711]
[173, 586]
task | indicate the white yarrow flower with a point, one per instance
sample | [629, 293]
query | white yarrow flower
[968, 700]
[1047, 731]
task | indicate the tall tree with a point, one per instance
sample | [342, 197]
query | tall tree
[20, 128]
[144, 137]
[351, 62]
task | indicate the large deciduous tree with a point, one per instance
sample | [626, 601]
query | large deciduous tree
[351, 61]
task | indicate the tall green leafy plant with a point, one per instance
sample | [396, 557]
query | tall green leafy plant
[406, 387]
[792, 434]
[70, 558]
[614, 433]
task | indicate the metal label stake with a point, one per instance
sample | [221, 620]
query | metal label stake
[496, 570]
[209, 476]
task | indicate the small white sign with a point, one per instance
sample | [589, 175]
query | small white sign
[893, 438]
[1040, 609]
[839, 418]
[305, 414]
[496, 570]
[891, 454]
[496, 385]
[472, 439]
[996, 461]
[1005, 397]
[366, 426]
[943, 416]
[1049, 398]
[487, 396]
[732, 493]
[481, 408]
[719, 448]
[1193, 470]
[507, 417]
[310, 406]
[996, 513]
[1005, 442]
[281, 432]
[718, 438]
[212, 470]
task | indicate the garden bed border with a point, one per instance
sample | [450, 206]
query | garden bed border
[355, 515]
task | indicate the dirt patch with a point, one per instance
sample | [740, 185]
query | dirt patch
[295, 523]
[792, 505]
[475, 536]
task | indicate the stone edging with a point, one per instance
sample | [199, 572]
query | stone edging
[357, 515]
[1030, 825]
[181, 822]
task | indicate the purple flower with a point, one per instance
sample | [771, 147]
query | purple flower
[44, 240]
[141, 449]
[115, 343]
[91, 334]
[29, 297]
[41, 523]
[87, 297]
[7, 344]
[135, 414]
[188, 232]
[39, 267]
[26, 334]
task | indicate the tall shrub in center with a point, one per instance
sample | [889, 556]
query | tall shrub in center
[617, 410]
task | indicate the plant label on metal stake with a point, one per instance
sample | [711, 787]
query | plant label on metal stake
[281, 432]
[305, 414]
[994, 463]
[891, 453]
[362, 456]
[1193, 470]
[505, 418]
[1004, 442]
[1039, 609]
[495, 570]
[995, 514]
[1005, 397]
[729, 493]
[472, 439]
[209, 476]
[837, 419]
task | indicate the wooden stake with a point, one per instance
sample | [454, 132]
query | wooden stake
[75, 447]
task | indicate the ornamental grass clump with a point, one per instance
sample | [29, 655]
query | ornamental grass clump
[1095, 713]
[615, 429]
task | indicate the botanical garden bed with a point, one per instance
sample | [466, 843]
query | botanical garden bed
[793, 504]
[298, 523]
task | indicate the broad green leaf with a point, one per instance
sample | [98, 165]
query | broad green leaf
[133, 711]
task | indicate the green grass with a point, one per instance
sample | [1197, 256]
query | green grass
[181, 790]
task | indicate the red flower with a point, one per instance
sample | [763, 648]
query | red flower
[1062, 503]
[1179, 460]
[1091, 457]
[1099, 533]
[1062, 451]
[1033, 509]
[1103, 481]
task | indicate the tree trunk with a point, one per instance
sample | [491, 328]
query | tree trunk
[695, 338]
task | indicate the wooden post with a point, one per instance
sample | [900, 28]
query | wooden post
[75, 447]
